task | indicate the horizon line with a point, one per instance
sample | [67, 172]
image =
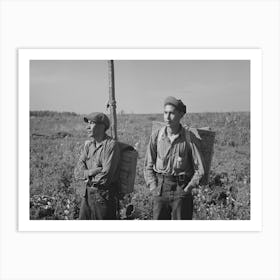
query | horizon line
[132, 113]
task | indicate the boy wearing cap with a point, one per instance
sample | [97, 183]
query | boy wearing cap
[98, 166]
[173, 166]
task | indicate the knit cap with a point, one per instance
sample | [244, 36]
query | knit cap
[180, 106]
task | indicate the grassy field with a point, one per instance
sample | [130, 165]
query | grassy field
[56, 140]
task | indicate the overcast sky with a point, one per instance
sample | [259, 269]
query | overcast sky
[140, 86]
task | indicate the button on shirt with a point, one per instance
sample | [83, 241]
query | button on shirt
[106, 155]
[176, 157]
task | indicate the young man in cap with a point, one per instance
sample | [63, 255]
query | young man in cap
[98, 166]
[173, 166]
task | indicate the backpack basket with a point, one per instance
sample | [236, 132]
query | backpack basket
[127, 168]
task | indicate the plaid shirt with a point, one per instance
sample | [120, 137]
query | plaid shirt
[106, 156]
[172, 158]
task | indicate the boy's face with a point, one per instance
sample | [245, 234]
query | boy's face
[171, 116]
[95, 129]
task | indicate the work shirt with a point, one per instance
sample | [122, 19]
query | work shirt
[106, 155]
[177, 157]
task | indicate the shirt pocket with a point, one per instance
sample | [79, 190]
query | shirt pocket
[179, 161]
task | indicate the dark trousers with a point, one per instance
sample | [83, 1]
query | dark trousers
[98, 205]
[170, 202]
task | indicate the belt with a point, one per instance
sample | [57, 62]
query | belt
[183, 178]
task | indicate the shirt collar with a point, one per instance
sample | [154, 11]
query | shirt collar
[180, 134]
[101, 143]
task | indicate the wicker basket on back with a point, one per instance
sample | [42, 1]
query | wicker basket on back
[127, 168]
[204, 139]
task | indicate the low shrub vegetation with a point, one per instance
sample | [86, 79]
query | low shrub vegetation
[56, 140]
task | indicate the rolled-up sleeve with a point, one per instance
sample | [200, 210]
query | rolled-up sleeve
[110, 163]
[150, 159]
[197, 164]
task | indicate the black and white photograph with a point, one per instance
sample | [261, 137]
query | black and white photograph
[140, 139]
[65, 98]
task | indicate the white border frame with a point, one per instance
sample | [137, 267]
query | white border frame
[24, 57]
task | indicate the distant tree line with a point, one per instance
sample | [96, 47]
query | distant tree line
[51, 114]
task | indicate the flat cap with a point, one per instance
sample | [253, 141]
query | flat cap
[98, 118]
[180, 106]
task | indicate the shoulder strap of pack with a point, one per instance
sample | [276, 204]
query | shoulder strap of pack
[188, 135]
[87, 144]
[159, 135]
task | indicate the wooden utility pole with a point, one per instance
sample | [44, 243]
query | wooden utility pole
[112, 100]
